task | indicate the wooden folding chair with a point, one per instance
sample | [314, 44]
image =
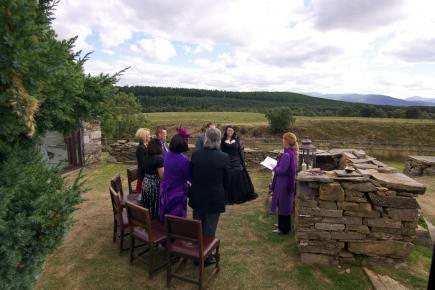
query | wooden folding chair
[185, 239]
[120, 220]
[142, 228]
[131, 177]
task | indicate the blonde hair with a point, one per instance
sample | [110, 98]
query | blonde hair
[292, 141]
[143, 135]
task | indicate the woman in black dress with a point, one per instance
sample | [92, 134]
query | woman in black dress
[240, 187]
[153, 169]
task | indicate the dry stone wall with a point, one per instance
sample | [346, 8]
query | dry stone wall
[371, 211]
[91, 132]
[420, 165]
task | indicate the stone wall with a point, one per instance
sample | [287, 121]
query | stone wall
[370, 211]
[91, 132]
[420, 165]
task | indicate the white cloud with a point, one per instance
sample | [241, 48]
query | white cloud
[330, 45]
[156, 49]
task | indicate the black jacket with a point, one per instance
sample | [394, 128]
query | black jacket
[209, 181]
[141, 153]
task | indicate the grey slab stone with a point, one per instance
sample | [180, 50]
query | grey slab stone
[399, 182]
[393, 201]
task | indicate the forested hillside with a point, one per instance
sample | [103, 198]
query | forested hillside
[163, 99]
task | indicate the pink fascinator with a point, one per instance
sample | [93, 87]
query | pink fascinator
[183, 132]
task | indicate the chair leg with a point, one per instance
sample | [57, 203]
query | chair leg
[218, 257]
[131, 249]
[168, 270]
[201, 273]
[121, 244]
[151, 265]
[115, 229]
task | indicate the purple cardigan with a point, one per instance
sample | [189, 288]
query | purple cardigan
[283, 184]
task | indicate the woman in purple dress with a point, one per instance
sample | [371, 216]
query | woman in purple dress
[283, 184]
[174, 186]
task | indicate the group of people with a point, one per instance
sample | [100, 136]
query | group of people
[215, 175]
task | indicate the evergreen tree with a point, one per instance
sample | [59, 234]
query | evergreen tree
[42, 87]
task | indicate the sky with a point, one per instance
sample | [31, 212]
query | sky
[327, 46]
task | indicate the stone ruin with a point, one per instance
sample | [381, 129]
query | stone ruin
[91, 132]
[420, 165]
[340, 213]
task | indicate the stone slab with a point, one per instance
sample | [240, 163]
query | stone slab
[399, 181]
[387, 248]
[331, 192]
[306, 176]
[365, 166]
[359, 186]
[429, 160]
[383, 282]
[393, 201]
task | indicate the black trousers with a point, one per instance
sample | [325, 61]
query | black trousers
[209, 222]
[284, 224]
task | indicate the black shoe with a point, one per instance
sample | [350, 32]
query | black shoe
[210, 260]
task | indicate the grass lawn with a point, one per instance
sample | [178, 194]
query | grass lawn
[252, 256]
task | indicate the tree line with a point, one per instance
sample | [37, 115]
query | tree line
[168, 99]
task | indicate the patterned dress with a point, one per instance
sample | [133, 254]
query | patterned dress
[151, 185]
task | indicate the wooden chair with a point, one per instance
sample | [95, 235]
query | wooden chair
[185, 239]
[142, 228]
[116, 184]
[120, 220]
[131, 177]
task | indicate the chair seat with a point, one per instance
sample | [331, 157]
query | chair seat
[191, 249]
[158, 229]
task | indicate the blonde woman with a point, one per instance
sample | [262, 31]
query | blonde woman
[283, 184]
[143, 136]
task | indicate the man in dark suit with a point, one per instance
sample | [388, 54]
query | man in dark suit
[209, 182]
[161, 134]
[200, 141]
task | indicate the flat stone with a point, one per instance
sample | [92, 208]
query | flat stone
[306, 177]
[313, 235]
[399, 181]
[360, 160]
[369, 214]
[430, 171]
[348, 155]
[429, 160]
[330, 212]
[358, 228]
[305, 192]
[403, 214]
[315, 211]
[347, 236]
[331, 192]
[394, 202]
[308, 219]
[383, 282]
[327, 204]
[387, 248]
[354, 193]
[330, 227]
[363, 186]
[387, 230]
[365, 166]
[384, 236]
[320, 247]
[344, 173]
[348, 220]
[308, 203]
[316, 259]
[355, 199]
[384, 223]
[355, 206]
[367, 172]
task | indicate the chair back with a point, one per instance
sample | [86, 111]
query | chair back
[116, 205]
[131, 177]
[116, 184]
[188, 230]
[139, 216]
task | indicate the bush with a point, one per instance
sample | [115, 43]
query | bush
[35, 213]
[280, 119]
[123, 117]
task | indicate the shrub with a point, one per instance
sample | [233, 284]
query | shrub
[280, 119]
[35, 213]
[123, 117]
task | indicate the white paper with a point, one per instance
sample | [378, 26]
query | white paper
[269, 163]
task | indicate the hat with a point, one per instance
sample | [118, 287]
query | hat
[183, 132]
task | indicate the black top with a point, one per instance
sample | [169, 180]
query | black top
[234, 150]
[209, 181]
[141, 153]
[152, 163]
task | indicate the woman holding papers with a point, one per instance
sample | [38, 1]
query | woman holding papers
[283, 184]
[240, 187]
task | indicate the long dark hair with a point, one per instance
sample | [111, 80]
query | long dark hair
[234, 137]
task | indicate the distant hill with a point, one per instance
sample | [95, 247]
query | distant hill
[167, 99]
[420, 99]
[377, 99]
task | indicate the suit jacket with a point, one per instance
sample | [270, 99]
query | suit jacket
[209, 181]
